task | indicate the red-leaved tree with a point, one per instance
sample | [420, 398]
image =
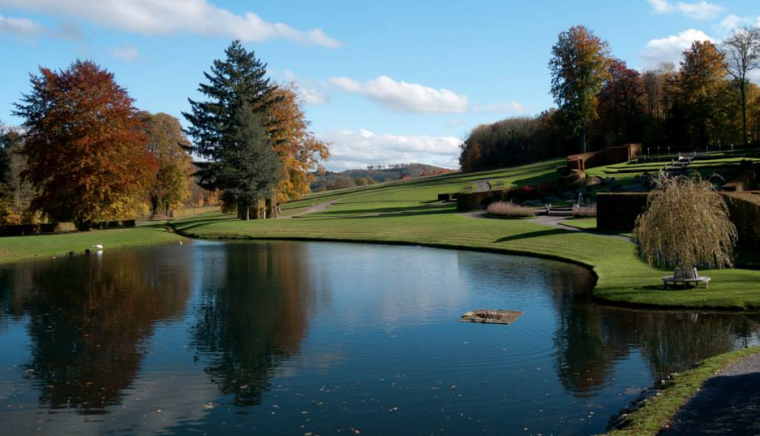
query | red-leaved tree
[86, 152]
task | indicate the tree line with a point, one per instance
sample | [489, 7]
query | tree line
[707, 100]
[84, 152]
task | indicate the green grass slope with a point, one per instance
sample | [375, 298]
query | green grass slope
[408, 213]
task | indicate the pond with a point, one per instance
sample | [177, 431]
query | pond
[308, 338]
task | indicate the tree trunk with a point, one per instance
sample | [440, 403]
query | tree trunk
[83, 225]
[744, 111]
[583, 140]
[247, 211]
[154, 204]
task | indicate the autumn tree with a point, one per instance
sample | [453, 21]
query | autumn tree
[742, 55]
[16, 193]
[702, 73]
[620, 105]
[297, 148]
[248, 168]
[85, 148]
[686, 225]
[579, 67]
[171, 184]
[238, 80]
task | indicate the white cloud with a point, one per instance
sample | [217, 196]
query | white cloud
[22, 27]
[671, 49]
[357, 149]
[697, 11]
[305, 88]
[170, 17]
[733, 22]
[126, 53]
[403, 96]
[312, 97]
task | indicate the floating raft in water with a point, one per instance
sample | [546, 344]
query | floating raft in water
[492, 316]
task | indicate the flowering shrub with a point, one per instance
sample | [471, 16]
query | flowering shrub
[509, 209]
[584, 212]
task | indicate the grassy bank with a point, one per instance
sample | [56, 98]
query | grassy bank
[25, 247]
[623, 278]
[659, 410]
[408, 213]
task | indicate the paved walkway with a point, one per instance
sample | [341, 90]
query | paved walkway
[728, 404]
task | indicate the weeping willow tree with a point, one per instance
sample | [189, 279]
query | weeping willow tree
[686, 225]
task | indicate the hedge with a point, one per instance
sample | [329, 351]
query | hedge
[38, 229]
[618, 212]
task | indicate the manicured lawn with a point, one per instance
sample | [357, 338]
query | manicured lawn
[408, 213]
[625, 173]
[623, 278]
[24, 247]
[421, 192]
[581, 223]
[657, 411]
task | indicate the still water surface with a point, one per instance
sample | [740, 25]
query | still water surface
[297, 338]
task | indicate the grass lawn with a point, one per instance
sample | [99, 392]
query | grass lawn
[581, 223]
[625, 173]
[409, 213]
[15, 248]
[622, 277]
[659, 410]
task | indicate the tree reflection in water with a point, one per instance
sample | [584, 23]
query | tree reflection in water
[88, 320]
[253, 315]
[592, 338]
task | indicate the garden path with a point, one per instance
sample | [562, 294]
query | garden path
[727, 404]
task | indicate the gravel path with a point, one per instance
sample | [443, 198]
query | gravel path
[728, 404]
[315, 208]
[550, 221]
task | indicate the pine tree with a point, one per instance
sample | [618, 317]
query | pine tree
[239, 79]
[248, 168]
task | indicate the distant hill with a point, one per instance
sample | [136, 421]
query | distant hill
[371, 175]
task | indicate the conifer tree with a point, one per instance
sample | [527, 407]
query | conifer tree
[248, 168]
[240, 77]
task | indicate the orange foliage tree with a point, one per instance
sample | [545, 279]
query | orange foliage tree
[297, 148]
[85, 147]
[170, 187]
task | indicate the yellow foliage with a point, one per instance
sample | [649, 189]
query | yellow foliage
[299, 151]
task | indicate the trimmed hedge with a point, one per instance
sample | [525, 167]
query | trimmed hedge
[745, 214]
[478, 200]
[617, 212]
[47, 228]
[28, 229]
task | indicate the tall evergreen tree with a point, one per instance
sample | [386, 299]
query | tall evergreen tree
[238, 79]
[248, 168]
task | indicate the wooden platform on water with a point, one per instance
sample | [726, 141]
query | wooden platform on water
[484, 316]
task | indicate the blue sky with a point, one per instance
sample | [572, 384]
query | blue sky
[383, 82]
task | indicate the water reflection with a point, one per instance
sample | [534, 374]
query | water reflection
[88, 320]
[591, 339]
[252, 315]
[214, 334]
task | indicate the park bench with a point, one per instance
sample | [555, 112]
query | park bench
[685, 278]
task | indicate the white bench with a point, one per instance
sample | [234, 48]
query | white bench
[685, 278]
